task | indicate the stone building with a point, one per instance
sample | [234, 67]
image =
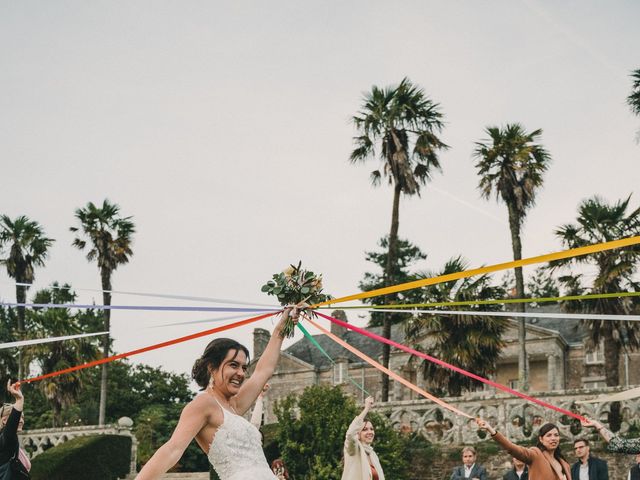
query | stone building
[559, 360]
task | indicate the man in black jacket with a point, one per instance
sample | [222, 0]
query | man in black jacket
[634, 473]
[469, 469]
[587, 467]
[520, 471]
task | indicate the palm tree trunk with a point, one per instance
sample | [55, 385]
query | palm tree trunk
[389, 280]
[21, 297]
[105, 275]
[611, 360]
[516, 244]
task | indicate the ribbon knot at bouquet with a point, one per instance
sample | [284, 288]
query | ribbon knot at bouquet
[295, 286]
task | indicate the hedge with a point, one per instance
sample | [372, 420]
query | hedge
[95, 457]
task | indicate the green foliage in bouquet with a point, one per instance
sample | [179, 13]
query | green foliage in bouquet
[295, 286]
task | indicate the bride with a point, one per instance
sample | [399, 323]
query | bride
[214, 417]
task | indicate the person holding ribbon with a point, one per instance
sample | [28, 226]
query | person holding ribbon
[615, 444]
[14, 462]
[360, 461]
[545, 460]
[214, 417]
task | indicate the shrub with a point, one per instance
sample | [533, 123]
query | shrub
[98, 457]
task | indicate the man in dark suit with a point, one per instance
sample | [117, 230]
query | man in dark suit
[520, 471]
[469, 469]
[634, 473]
[587, 467]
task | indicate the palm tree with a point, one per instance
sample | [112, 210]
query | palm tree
[469, 342]
[598, 222]
[28, 249]
[110, 237]
[511, 166]
[404, 123]
[634, 98]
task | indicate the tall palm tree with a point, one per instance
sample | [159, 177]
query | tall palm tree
[634, 98]
[109, 237]
[511, 166]
[28, 249]
[404, 123]
[469, 342]
[597, 222]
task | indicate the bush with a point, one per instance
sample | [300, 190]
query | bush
[311, 435]
[98, 457]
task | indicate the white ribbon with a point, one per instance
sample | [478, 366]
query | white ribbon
[36, 341]
[576, 316]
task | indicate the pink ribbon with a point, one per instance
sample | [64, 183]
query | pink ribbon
[449, 366]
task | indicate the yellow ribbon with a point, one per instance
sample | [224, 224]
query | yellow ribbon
[391, 374]
[574, 252]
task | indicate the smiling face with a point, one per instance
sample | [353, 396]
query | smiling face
[229, 377]
[551, 439]
[367, 434]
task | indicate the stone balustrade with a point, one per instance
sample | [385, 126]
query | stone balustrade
[515, 417]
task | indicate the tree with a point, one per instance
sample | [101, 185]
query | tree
[110, 237]
[543, 285]
[63, 391]
[599, 221]
[405, 124]
[466, 341]
[28, 249]
[311, 435]
[407, 254]
[8, 360]
[634, 98]
[511, 166]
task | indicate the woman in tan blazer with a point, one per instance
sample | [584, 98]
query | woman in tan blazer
[545, 459]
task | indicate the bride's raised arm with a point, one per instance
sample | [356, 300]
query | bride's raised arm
[266, 365]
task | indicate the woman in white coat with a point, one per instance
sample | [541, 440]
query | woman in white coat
[360, 461]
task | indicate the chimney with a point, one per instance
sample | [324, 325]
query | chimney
[339, 330]
[260, 339]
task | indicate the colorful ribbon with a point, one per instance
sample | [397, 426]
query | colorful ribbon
[590, 296]
[323, 351]
[574, 252]
[149, 348]
[391, 374]
[477, 313]
[37, 341]
[449, 366]
[152, 295]
[139, 307]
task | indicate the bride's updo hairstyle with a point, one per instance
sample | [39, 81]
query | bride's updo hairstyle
[213, 357]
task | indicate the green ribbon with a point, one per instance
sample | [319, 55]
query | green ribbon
[592, 296]
[322, 350]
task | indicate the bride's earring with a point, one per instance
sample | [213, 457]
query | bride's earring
[211, 382]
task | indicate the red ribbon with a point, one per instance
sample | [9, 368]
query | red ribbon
[149, 348]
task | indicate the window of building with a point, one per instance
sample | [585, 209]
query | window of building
[594, 384]
[595, 357]
[339, 373]
[513, 384]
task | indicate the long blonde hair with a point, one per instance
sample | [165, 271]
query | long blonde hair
[5, 411]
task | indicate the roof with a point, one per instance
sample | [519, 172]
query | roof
[307, 352]
[569, 329]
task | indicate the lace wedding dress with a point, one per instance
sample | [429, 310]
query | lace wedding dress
[236, 451]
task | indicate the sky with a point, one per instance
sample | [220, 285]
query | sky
[224, 129]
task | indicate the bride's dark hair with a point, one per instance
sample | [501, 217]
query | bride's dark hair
[212, 357]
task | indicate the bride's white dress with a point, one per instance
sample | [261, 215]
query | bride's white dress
[236, 451]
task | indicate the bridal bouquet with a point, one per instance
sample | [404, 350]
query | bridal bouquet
[294, 286]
